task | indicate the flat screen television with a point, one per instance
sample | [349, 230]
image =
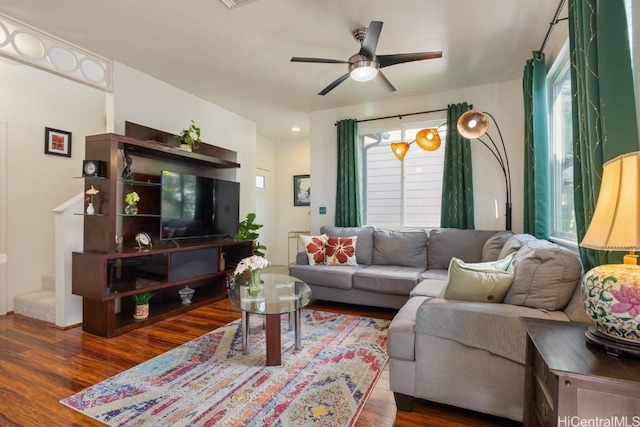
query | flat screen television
[195, 206]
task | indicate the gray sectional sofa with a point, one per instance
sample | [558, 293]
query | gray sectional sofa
[390, 263]
[468, 354]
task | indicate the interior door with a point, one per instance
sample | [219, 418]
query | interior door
[263, 207]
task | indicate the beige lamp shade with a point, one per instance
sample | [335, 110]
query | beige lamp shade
[473, 124]
[400, 149]
[616, 220]
[428, 139]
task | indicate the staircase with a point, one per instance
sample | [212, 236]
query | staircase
[39, 304]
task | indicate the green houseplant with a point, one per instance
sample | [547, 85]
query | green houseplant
[191, 136]
[142, 305]
[247, 230]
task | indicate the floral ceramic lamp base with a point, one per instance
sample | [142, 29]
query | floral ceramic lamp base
[611, 295]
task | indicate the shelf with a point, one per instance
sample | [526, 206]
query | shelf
[86, 214]
[141, 183]
[89, 177]
[159, 150]
[139, 214]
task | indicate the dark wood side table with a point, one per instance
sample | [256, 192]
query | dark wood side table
[572, 383]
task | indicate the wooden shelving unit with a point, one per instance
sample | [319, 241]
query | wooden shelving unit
[105, 275]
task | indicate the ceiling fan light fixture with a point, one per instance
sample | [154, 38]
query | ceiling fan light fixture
[362, 69]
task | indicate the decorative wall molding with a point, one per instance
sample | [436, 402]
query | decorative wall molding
[31, 46]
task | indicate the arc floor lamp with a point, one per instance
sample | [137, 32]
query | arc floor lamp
[474, 125]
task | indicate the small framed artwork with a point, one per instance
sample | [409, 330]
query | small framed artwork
[301, 190]
[57, 142]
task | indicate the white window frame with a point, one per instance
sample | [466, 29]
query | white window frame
[560, 66]
[404, 214]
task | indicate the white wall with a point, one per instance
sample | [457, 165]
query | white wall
[266, 164]
[503, 100]
[292, 156]
[36, 183]
[142, 99]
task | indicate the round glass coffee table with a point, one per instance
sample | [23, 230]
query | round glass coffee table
[278, 294]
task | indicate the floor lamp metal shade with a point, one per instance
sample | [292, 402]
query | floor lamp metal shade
[474, 124]
[611, 293]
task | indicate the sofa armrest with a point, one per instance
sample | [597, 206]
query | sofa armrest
[495, 328]
[302, 258]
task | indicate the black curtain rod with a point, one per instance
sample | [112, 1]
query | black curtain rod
[552, 24]
[400, 116]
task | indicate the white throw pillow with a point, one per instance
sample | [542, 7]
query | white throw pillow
[479, 282]
[314, 246]
[341, 251]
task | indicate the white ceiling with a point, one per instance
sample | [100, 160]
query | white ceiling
[239, 58]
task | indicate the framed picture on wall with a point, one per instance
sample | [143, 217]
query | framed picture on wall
[301, 190]
[57, 142]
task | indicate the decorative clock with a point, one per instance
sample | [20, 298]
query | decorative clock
[92, 168]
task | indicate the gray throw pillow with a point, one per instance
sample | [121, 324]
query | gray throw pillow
[515, 243]
[493, 246]
[402, 248]
[546, 276]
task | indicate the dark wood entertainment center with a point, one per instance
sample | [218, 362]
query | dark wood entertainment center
[106, 275]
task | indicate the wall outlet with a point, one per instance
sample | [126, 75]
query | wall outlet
[323, 210]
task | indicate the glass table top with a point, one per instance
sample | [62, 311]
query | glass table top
[278, 294]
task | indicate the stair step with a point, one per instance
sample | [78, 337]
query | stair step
[38, 305]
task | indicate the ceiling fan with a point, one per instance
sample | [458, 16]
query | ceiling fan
[365, 65]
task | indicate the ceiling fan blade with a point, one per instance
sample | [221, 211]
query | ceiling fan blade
[370, 41]
[335, 83]
[318, 60]
[382, 81]
[386, 60]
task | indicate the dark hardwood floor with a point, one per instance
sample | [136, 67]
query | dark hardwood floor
[40, 364]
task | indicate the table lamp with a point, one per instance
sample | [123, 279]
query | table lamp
[611, 293]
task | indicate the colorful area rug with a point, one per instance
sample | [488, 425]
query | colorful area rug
[208, 381]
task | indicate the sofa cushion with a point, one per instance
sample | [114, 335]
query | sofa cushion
[479, 282]
[314, 248]
[493, 246]
[514, 244]
[436, 274]
[364, 249]
[403, 248]
[387, 279]
[447, 243]
[429, 287]
[341, 251]
[546, 276]
[326, 275]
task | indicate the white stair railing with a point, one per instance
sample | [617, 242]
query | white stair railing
[69, 232]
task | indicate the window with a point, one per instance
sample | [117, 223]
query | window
[563, 223]
[401, 194]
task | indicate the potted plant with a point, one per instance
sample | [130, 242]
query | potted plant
[247, 231]
[191, 136]
[142, 305]
[131, 199]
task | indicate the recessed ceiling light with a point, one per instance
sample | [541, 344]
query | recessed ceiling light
[295, 129]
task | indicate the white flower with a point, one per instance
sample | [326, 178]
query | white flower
[251, 263]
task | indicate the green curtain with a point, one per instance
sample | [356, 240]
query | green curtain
[456, 210]
[537, 215]
[604, 113]
[348, 193]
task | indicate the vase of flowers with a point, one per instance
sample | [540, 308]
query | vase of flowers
[90, 193]
[131, 199]
[252, 264]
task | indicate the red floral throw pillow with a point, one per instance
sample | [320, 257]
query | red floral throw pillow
[340, 251]
[314, 246]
